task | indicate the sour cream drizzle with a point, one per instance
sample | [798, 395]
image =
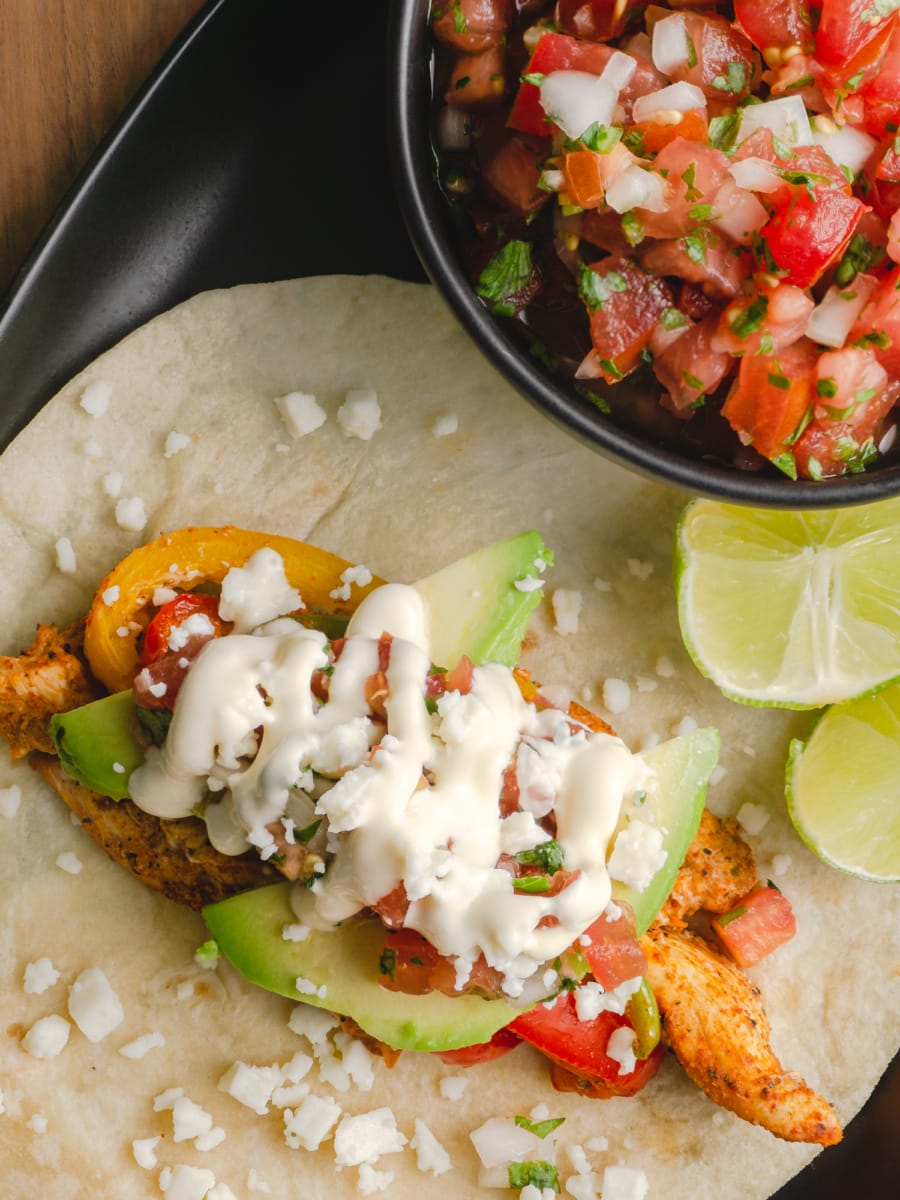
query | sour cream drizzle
[415, 802]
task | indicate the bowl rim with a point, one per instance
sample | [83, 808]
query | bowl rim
[413, 165]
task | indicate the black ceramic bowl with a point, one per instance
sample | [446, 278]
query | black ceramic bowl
[433, 231]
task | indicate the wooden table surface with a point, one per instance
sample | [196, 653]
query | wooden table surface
[67, 70]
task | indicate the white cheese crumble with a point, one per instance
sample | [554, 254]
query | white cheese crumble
[637, 854]
[430, 1154]
[372, 1181]
[578, 1159]
[255, 1183]
[142, 1046]
[620, 1048]
[189, 1120]
[197, 624]
[753, 818]
[96, 397]
[37, 1123]
[10, 799]
[175, 443]
[360, 414]
[162, 595]
[781, 864]
[312, 1023]
[221, 1191]
[131, 514]
[640, 570]
[144, 1151]
[616, 695]
[529, 584]
[69, 862]
[111, 595]
[257, 592]
[39, 976]
[112, 484]
[591, 998]
[624, 1183]
[65, 556]
[250, 1086]
[310, 1123]
[567, 604]
[186, 1183]
[94, 1006]
[359, 575]
[47, 1037]
[93, 450]
[445, 425]
[298, 932]
[300, 413]
[665, 668]
[209, 1140]
[366, 1137]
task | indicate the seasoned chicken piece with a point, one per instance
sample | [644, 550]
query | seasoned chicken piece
[50, 677]
[171, 857]
[717, 871]
[714, 1022]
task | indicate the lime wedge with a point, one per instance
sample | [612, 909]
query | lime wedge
[842, 787]
[794, 609]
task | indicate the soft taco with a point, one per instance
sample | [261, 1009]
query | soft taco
[233, 410]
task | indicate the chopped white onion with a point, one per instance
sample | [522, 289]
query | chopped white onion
[619, 70]
[677, 97]
[755, 175]
[498, 1142]
[670, 45]
[454, 129]
[637, 188]
[553, 181]
[737, 213]
[848, 147]
[589, 367]
[831, 320]
[574, 100]
[786, 117]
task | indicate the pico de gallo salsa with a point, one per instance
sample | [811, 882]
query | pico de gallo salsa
[692, 211]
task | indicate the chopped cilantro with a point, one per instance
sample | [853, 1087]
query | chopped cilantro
[594, 398]
[595, 289]
[538, 1174]
[460, 24]
[826, 388]
[540, 1128]
[601, 138]
[539, 351]
[535, 77]
[815, 469]
[876, 337]
[610, 368]
[694, 247]
[691, 50]
[633, 229]
[673, 318]
[689, 176]
[782, 149]
[307, 834]
[723, 131]
[633, 140]
[208, 953]
[857, 457]
[779, 381]
[548, 855]
[734, 80]
[154, 722]
[463, 81]
[700, 212]
[532, 884]
[508, 272]
[750, 319]
[786, 463]
[387, 962]
[859, 256]
[802, 82]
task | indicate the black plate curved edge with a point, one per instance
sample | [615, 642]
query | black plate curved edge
[232, 166]
[257, 151]
[428, 222]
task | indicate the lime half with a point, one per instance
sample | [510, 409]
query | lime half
[796, 609]
[842, 787]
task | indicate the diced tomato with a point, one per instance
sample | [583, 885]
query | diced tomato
[580, 1046]
[588, 174]
[881, 94]
[689, 369]
[769, 318]
[703, 257]
[612, 953]
[889, 160]
[722, 61]
[477, 81]
[843, 84]
[759, 924]
[597, 20]
[410, 963]
[656, 134]
[844, 30]
[693, 174]
[773, 397]
[472, 25]
[776, 24]
[511, 169]
[501, 1043]
[596, 1089]
[624, 304]
[171, 615]
[878, 326]
[810, 231]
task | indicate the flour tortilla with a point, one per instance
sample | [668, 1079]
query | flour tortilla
[404, 503]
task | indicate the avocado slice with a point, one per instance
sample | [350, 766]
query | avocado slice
[474, 608]
[682, 768]
[98, 743]
[248, 930]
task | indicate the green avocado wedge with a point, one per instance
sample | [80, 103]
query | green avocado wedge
[474, 608]
[248, 930]
[676, 796]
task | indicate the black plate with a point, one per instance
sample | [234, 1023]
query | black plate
[257, 152]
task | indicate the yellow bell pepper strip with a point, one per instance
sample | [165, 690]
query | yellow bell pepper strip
[187, 559]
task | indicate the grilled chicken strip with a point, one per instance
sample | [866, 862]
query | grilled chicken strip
[714, 1022]
[50, 677]
[171, 857]
[718, 870]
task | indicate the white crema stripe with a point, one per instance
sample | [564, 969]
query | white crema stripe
[416, 803]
